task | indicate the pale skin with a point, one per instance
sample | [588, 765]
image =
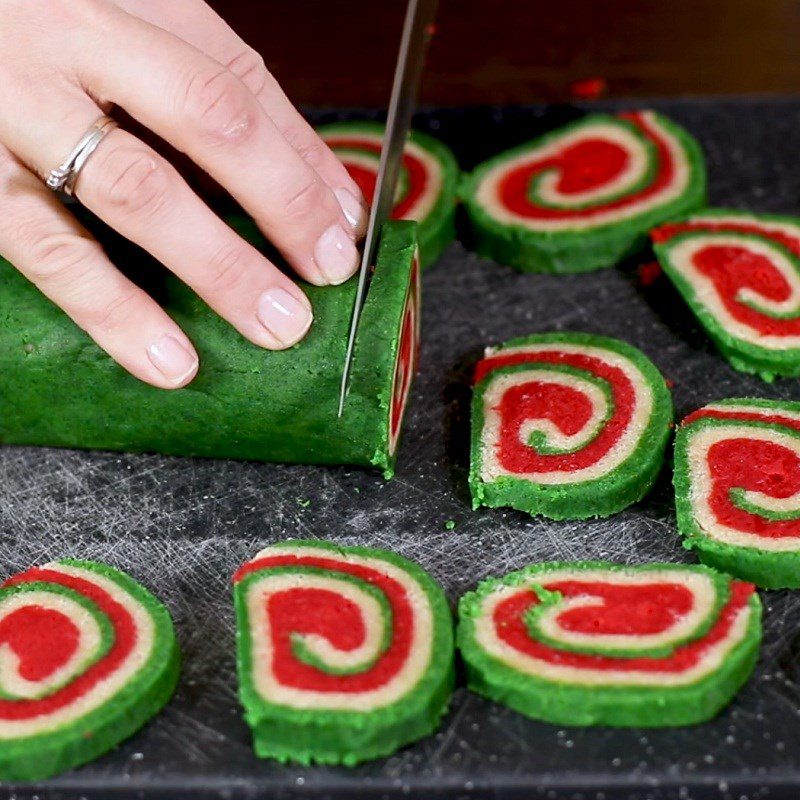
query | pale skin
[177, 68]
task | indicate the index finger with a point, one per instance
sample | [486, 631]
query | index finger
[197, 23]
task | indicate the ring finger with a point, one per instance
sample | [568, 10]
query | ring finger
[139, 194]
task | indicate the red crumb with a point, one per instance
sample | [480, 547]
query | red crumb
[670, 383]
[431, 29]
[588, 89]
[649, 273]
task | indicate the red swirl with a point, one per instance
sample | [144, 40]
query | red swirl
[366, 178]
[587, 165]
[758, 466]
[42, 638]
[125, 638]
[407, 355]
[565, 407]
[310, 611]
[752, 465]
[732, 269]
[510, 627]
[629, 610]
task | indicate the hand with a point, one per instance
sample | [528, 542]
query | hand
[177, 68]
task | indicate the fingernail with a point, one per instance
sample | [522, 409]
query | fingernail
[283, 315]
[353, 209]
[172, 359]
[336, 255]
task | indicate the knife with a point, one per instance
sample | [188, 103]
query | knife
[417, 32]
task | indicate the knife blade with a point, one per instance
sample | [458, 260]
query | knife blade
[417, 31]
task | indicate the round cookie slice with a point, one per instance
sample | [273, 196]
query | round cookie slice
[594, 643]
[344, 653]
[87, 656]
[427, 185]
[740, 275]
[737, 488]
[584, 197]
[567, 425]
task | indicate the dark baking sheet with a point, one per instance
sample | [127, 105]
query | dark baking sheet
[181, 526]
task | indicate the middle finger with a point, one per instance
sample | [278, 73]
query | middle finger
[197, 23]
[205, 111]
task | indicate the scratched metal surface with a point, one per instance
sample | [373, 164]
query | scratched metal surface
[181, 526]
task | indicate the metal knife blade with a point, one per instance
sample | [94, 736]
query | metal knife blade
[417, 31]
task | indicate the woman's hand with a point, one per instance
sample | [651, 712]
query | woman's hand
[177, 68]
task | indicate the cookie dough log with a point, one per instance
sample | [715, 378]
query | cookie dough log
[585, 196]
[60, 389]
[87, 657]
[740, 275]
[567, 425]
[427, 186]
[737, 488]
[344, 653]
[594, 643]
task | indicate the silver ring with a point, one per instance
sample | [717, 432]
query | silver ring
[63, 177]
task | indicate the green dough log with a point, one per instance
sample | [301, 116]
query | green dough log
[344, 653]
[59, 388]
[649, 646]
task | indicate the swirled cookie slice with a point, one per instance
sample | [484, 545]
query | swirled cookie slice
[344, 653]
[737, 488]
[584, 197]
[594, 643]
[426, 187]
[567, 425]
[740, 275]
[87, 656]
